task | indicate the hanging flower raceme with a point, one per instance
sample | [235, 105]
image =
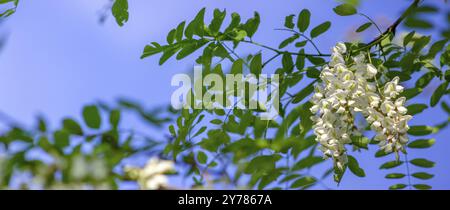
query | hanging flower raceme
[345, 90]
[153, 175]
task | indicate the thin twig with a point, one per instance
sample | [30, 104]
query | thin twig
[270, 59]
[391, 29]
[373, 22]
[408, 174]
[302, 35]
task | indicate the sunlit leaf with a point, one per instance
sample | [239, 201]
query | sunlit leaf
[120, 11]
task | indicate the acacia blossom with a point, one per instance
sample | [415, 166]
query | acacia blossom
[347, 90]
[153, 175]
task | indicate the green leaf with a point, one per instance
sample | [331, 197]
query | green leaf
[61, 138]
[300, 61]
[302, 144]
[120, 11]
[414, 109]
[289, 21]
[345, 10]
[436, 48]
[438, 93]
[196, 25]
[200, 131]
[353, 165]
[42, 125]
[422, 175]
[408, 38]
[72, 127]
[91, 116]
[236, 68]
[411, 93]
[252, 25]
[304, 182]
[202, 157]
[301, 44]
[418, 23]
[179, 31]
[445, 107]
[217, 21]
[263, 163]
[320, 29]
[190, 48]
[391, 164]
[397, 187]
[269, 178]
[303, 20]
[422, 143]
[167, 54]
[8, 1]
[422, 162]
[395, 176]
[256, 64]
[172, 130]
[402, 75]
[240, 35]
[307, 162]
[287, 41]
[151, 50]
[7, 12]
[363, 27]
[303, 93]
[422, 186]
[287, 62]
[381, 153]
[171, 36]
[235, 21]
[420, 43]
[215, 139]
[421, 130]
[312, 73]
[114, 118]
[289, 178]
[216, 121]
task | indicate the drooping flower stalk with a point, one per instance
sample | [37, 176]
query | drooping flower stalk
[347, 90]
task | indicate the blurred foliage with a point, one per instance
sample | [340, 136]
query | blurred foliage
[11, 7]
[84, 154]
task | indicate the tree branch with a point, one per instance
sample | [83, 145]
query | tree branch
[393, 27]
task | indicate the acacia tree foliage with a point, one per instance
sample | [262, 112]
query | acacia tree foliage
[234, 146]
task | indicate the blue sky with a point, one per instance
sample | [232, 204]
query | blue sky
[59, 58]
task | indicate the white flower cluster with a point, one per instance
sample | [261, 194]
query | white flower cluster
[347, 90]
[153, 175]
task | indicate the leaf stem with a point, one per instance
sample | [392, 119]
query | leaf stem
[302, 35]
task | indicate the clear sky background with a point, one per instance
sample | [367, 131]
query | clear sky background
[59, 58]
